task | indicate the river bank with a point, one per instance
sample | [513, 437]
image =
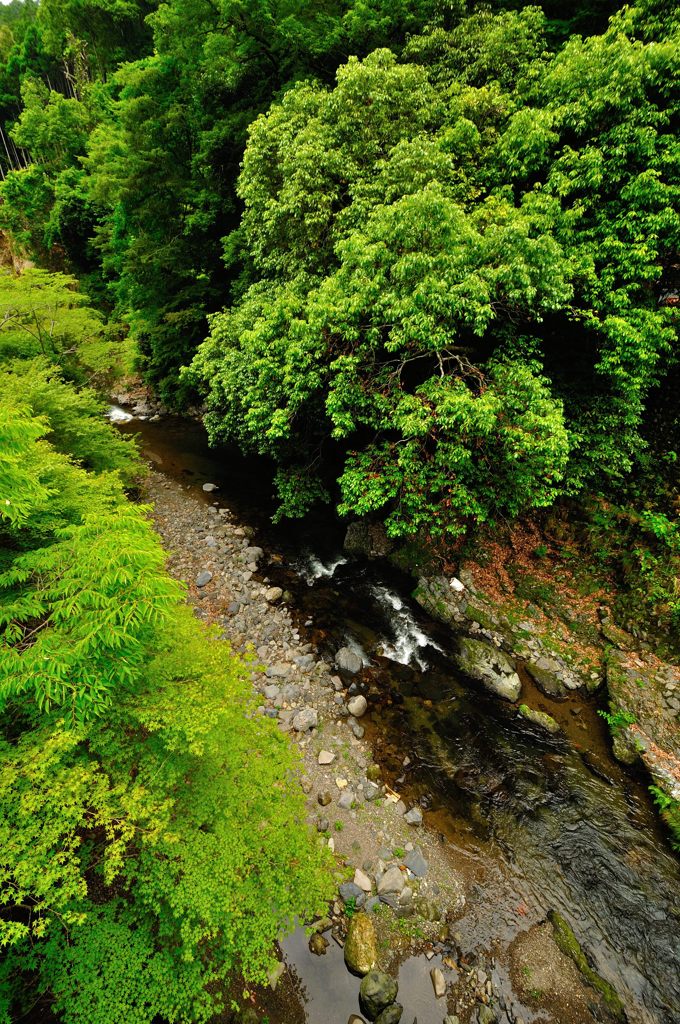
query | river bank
[501, 930]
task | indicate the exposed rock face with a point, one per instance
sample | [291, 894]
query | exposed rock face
[643, 696]
[475, 614]
[490, 666]
[367, 539]
[377, 992]
[361, 951]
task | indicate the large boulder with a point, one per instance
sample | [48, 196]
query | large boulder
[490, 666]
[361, 949]
[376, 992]
[348, 661]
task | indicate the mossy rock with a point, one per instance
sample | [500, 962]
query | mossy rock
[570, 946]
[361, 947]
[540, 718]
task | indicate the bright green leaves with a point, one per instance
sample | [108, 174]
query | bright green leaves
[379, 275]
[152, 825]
[469, 452]
[161, 849]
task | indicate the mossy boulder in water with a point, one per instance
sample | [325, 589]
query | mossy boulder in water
[540, 718]
[569, 944]
[376, 993]
[361, 950]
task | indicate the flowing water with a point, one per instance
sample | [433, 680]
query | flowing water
[535, 822]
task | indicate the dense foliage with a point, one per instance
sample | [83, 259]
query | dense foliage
[421, 253]
[151, 825]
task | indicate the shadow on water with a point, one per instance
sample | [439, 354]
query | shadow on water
[536, 822]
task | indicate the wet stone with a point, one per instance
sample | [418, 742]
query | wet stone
[438, 982]
[361, 949]
[390, 1015]
[414, 816]
[204, 578]
[376, 993]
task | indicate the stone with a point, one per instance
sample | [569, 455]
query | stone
[354, 1018]
[350, 891]
[318, 944]
[540, 718]
[306, 719]
[348, 661]
[416, 863]
[376, 992]
[203, 578]
[346, 799]
[391, 881]
[362, 880]
[361, 947]
[272, 691]
[358, 731]
[357, 706]
[546, 673]
[485, 1015]
[209, 488]
[390, 1015]
[493, 668]
[273, 595]
[371, 791]
[438, 982]
[326, 757]
[414, 816]
[324, 798]
[253, 554]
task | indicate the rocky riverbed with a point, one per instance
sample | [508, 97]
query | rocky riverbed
[401, 887]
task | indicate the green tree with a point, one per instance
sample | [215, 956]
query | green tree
[152, 825]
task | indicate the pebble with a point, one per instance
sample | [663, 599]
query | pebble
[414, 816]
[326, 757]
[203, 578]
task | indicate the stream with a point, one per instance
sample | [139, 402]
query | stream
[535, 822]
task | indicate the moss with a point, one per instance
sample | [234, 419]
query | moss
[485, 620]
[570, 946]
[540, 718]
